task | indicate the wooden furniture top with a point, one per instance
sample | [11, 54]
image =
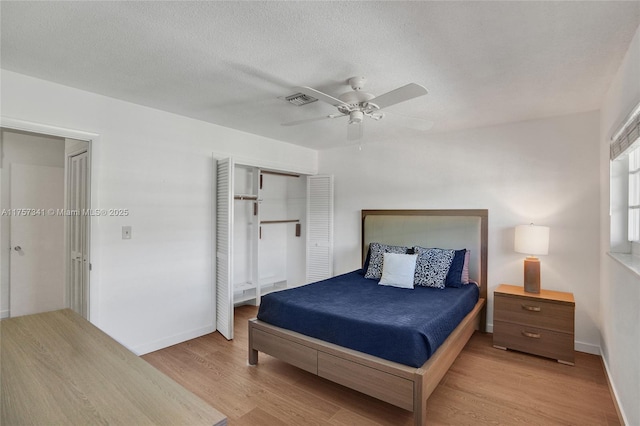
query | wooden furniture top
[58, 368]
[548, 295]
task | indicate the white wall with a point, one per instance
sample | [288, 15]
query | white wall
[620, 288]
[155, 289]
[21, 148]
[543, 171]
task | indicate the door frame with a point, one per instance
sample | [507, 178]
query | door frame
[93, 153]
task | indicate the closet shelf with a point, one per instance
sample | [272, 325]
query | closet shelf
[244, 286]
[269, 287]
[244, 291]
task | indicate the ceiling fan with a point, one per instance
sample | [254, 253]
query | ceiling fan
[357, 104]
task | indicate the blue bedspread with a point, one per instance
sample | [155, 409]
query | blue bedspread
[401, 325]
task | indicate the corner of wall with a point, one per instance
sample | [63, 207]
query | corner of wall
[614, 392]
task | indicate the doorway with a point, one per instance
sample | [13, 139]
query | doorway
[45, 228]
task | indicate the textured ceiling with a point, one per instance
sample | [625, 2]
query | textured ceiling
[483, 63]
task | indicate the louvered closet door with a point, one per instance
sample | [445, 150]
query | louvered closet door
[78, 266]
[319, 227]
[224, 247]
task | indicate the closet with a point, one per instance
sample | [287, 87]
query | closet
[273, 230]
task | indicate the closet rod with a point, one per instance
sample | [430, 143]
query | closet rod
[268, 222]
[269, 172]
[245, 197]
[296, 221]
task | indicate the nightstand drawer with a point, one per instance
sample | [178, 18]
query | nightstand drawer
[534, 312]
[539, 341]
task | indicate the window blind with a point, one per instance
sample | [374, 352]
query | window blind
[627, 134]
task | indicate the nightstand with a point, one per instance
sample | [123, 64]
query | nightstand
[540, 324]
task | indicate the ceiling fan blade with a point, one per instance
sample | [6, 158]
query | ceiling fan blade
[401, 94]
[311, 120]
[320, 96]
[354, 131]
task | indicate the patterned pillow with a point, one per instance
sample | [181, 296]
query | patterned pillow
[432, 266]
[377, 250]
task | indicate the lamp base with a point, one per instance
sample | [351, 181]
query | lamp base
[532, 275]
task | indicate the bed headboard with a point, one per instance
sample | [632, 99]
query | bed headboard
[452, 229]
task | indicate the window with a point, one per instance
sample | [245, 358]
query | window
[625, 185]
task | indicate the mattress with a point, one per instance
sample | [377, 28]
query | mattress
[401, 325]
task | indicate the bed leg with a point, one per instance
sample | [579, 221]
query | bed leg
[420, 416]
[253, 354]
[419, 402]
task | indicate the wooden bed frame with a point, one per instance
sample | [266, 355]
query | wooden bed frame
[398, 384]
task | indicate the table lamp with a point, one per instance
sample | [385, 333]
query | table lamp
[532, 240]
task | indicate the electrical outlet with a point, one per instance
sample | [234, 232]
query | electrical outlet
[126, 232]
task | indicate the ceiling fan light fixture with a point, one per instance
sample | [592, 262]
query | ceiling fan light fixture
[356, 117]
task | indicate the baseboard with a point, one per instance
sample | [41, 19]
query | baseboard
[614, 393]
[171, 340]
[4, 314]
[587, 347]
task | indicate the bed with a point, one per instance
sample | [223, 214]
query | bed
[341, 357]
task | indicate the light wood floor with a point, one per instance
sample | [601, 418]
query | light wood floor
[484, 386]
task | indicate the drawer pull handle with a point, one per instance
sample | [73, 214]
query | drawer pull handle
[531, 335]
[531, 308]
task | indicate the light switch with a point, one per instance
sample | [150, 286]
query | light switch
[126, 232]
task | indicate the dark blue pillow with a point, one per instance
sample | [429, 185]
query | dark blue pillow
[366, 262]
[454, 276]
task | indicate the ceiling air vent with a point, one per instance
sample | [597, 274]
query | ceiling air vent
[299, 99]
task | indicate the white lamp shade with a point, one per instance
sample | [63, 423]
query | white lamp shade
[532, 239]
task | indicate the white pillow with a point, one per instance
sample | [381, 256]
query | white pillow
[398, 270]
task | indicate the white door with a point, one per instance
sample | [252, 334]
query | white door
[319, 227]
[224, 247]
[37, 239]
[77, 228]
